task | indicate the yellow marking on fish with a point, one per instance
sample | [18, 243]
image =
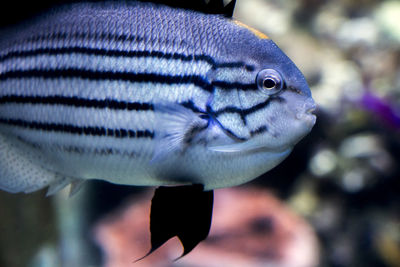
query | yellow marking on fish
[256, 32]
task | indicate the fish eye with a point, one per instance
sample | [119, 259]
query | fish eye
[269, 81]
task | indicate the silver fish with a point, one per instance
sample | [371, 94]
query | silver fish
[144, 94]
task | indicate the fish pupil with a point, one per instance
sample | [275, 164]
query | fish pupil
[269, 83]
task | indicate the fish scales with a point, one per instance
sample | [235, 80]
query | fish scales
[134, 93]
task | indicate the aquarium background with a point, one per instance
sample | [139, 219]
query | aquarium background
[335, 201]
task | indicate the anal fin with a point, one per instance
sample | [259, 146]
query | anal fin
[182, 211]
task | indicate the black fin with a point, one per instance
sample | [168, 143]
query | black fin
[229, 9]
[182, 211]
[33, 8]
[208, 7]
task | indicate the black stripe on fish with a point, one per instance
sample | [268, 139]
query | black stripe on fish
[76, 102]
[114, 104]
[190, 105]
[259, 130]
[73, 129]
[81, 36]
[124, 76]
[243, 111]
[108, 75]
[235, 85]
[232, 134]
[247, 111]
[100, 151]
[127, 54]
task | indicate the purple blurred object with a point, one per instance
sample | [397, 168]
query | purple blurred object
[382, 108]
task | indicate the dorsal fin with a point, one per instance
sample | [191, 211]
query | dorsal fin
[204, 6]
[218, 7]
[32, 8]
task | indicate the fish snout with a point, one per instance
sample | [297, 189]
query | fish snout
[306, 113]
[310, 106]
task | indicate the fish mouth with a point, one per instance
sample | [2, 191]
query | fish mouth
[310, 110]
[307, 114]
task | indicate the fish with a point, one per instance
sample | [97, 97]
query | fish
[144, 94]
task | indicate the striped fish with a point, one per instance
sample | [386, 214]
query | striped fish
[143, 94]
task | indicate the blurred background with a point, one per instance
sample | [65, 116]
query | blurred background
[335, 201]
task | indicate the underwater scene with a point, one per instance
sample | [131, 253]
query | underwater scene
[334, 201]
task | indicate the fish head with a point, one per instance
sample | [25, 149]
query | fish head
[285, 114]
[271, 107]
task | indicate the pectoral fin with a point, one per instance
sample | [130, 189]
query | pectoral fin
[178, 126]
[183, 211]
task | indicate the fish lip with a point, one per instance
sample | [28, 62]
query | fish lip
[307, 110]
[307, 114]
[310, 106]
[310, 110]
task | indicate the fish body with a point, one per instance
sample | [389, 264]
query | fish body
[143, 94]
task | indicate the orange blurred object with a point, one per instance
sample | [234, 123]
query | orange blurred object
[250, 228]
